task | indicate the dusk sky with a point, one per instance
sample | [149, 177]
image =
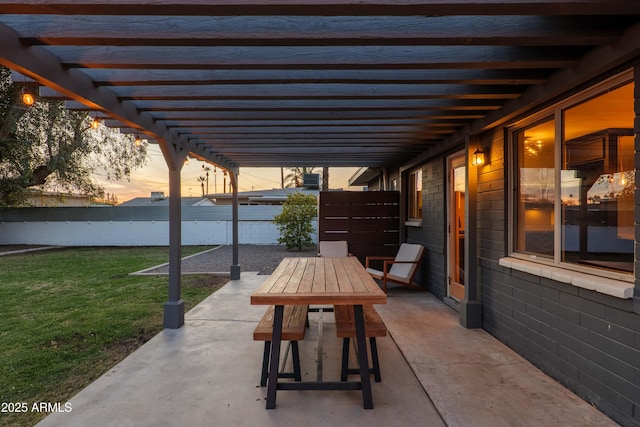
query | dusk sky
[155, 177]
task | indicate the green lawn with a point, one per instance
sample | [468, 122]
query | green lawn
[68, 315]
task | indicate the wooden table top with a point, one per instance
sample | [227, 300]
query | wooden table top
[319, 280]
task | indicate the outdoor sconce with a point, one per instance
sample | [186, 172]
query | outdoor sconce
[477, 159]
[27, 97]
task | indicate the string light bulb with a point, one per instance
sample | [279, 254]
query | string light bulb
[137, 141]
[95, 123]
[27, 97]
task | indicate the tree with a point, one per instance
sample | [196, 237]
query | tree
[295, 219]
[50, 148]
[202, 180]
[325, 179]
[294, 178]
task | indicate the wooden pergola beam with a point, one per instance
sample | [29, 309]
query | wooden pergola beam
[45, 68]
[318, 57]
[315, 30]
[126, 77]
[324, 8]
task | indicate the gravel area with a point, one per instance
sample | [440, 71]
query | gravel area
[261, 258]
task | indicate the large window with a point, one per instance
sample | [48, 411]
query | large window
[575, 182]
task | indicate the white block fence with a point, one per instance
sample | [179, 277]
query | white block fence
[136, 226]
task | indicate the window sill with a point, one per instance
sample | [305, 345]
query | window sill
[413, 223]
[614, 288]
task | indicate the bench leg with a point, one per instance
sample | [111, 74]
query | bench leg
[374, 359]
[297, 375]
[296, 361]
[344, 372]
[265, 363]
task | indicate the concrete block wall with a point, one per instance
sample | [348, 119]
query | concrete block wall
[431, 234]
[136, 233]
[589, 342]
[137, 226]
[491, 199]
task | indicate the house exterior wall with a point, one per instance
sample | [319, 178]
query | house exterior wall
[586, 340]
[431, 234]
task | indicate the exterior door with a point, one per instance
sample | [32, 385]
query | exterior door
[456, 199]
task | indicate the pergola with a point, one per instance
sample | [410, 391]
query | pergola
[264, 83]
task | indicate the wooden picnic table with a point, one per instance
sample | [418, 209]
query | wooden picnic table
[319, 280]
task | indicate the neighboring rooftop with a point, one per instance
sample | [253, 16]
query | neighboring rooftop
[274, 196]
[158, 198]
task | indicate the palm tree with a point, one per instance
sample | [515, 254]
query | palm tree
[325, 179]
[294, 178]
[201, 180]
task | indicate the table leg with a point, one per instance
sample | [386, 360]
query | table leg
[363, 357]
[276, 341]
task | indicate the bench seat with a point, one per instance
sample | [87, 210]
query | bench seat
[294, 324]
[346, 329]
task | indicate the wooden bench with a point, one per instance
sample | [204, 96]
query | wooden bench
[294, 323]
[346, 329]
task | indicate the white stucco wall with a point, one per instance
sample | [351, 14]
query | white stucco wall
[135, 233]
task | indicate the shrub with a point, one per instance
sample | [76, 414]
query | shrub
[295, 220]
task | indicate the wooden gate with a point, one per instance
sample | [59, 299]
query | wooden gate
[368, 220]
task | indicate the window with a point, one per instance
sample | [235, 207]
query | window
[536, 189]
[415, 195]
[575, 182]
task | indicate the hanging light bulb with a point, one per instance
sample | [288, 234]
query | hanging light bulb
[95, 123]
[27, 97]
[137, 141]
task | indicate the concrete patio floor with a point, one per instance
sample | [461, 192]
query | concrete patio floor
[434, 373]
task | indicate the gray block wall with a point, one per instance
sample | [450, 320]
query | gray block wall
[589, 342]
[431, 234]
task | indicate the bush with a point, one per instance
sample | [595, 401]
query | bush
[295, 221]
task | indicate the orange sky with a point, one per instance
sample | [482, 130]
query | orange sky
[154, 177]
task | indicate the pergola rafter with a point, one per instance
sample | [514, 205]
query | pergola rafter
[292, 83]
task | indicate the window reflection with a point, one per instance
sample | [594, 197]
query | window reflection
[595, 192]
[415, 195]
[598, 157]
[536, 198]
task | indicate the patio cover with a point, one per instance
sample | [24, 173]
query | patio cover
[292, 83]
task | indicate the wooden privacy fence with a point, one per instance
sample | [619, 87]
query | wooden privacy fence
[369, 221]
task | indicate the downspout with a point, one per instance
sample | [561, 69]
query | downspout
[235, 266]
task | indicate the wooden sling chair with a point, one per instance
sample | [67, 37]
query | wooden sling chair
[401, 269]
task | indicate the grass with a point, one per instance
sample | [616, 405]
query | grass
[69, 315]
